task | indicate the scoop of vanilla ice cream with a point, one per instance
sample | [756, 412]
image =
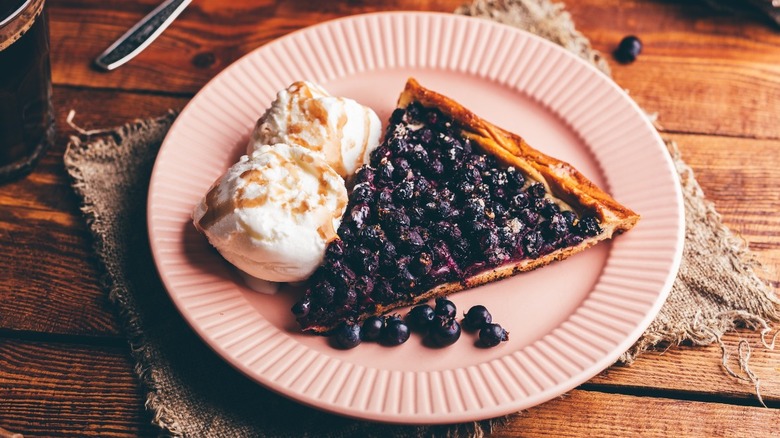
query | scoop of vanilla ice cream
[273, 213]
[342, 130]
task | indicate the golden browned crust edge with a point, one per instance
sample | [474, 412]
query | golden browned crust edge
[563, 180]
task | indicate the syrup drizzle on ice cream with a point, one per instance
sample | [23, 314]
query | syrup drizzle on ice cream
[273, 213]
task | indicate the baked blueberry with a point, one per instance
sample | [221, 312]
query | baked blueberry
[519, 201]
[322, 293]
[335, 250]
[588, 226]
[569, 216]
[398, 146]
[359, 214]
[436, 205]
[434, 168]
[401, 169]
[301, 308]
[361, 193]
[377, 154]
[372, 237]
[421, 264]
[536, 190]
[403, 192]
[557, 226]
[364, 175]
[384, 172]
[515, 178]
[364, 260]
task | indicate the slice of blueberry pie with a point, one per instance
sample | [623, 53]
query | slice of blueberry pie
[448, 202]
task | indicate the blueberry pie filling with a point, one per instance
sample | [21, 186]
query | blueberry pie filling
[449, 202]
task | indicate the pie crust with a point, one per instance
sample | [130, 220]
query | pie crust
[561, 180]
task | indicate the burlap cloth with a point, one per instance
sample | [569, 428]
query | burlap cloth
[192, 392]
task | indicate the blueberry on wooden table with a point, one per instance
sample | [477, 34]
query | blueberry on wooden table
[629, 48]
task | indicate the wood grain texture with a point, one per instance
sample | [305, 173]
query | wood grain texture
[49, 281]
[69, 390]
[726, 70]
[740, 177]
[712, 77]
[696, 372]
[701, 70]
[628, 416]
[55, 390]
[737, 175]
[207, 37]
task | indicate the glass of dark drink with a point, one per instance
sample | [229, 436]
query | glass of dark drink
[26, 114]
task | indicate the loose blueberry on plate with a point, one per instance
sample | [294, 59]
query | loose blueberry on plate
[492, 334]
[446, 333]
[420, 317]
[445, 307]
[476, 318]
[396, 332]
[346, 336]
[372, 328]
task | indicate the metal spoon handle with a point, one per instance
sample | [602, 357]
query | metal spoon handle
[138, 37]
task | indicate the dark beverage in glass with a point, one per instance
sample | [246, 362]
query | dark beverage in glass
[26, 114]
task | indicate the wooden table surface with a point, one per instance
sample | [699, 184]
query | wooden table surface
[713, 78]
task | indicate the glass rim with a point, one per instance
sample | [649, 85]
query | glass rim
[15, 14]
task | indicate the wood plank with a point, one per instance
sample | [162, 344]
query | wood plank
[743, 190]
[70, 390]
[697, 371]
[48, 272]
[48, 187]
[586, 413]
[703, 72]
[50, 284]
[741, 177]
[207, 37]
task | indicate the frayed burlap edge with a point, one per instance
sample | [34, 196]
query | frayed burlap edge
[729, 253]
[77, 149]
[701, 330]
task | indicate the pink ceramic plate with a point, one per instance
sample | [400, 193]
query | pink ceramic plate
[568, 321]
